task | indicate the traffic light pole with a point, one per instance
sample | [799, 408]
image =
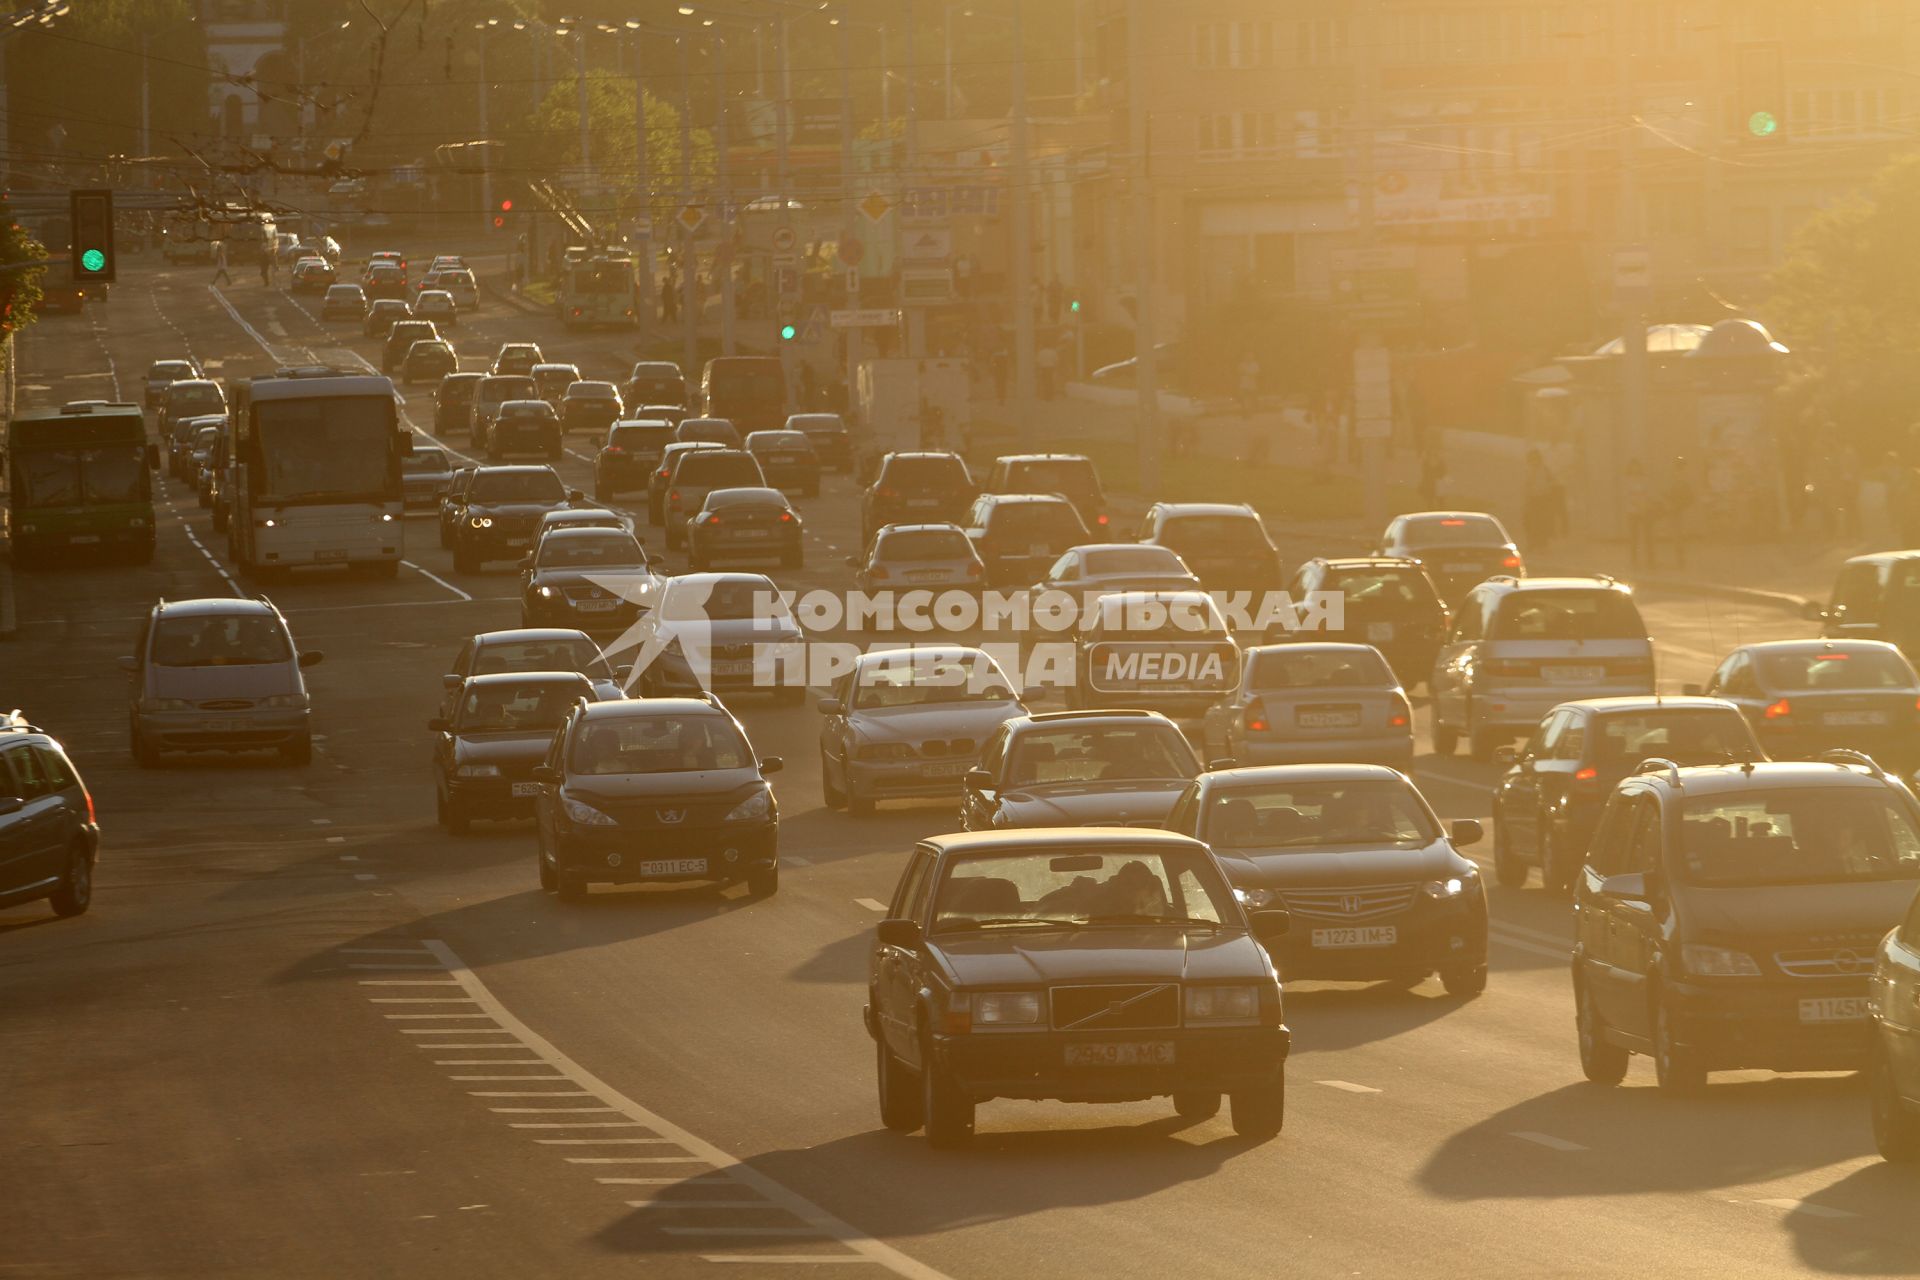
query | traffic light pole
[486, 157]
[1020, 268]
[723, 252]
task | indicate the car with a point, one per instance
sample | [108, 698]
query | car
[828, 434]
[918, 557]
[484, 754]
[1520, 647]
[1225, 544]
[531, 649]
[1165, 650]
[669, 413]
[662, 790]
[162, 374]
[312, 275]
[723, 632]
[1020, 535]
[1091, 570]
[1875, 597]
[189, 398]
[492, 391]
[1727, 916]
[49, 835]
[1373, 881]
[1803, 697]
[288, 249]
[524, 426]
[184, 435]
[390, 259]
[517, 358]
[1459, 549]
[465, 290]
[382, 315]
[1069, 475]
[326, 246]
[431, 280]
[1556, 783]
[787, 460]
[1388, 603]
[655, 382]
[717, 430]
[200, 458]
[424, 476]
[593, 579]
[698, 473]
[499, 509]
[384, 280]
[453, 402]
[910, 722]
[453, 501]
[447, 262]
[662, 474]
[589, 406]
[631, 452]
[438, 306]
[917, 487]
[1893, 1066]
[1078, 769]
[428, 360]
[745, 524]
[579, 518]
[344, 302]
[1313, 703]
[552, 380]
[401, 336]
[219, 674]
[1079, 965]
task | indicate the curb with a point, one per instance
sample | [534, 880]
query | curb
[9, 621]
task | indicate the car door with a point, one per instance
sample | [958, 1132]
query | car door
[1452, 668]
[1633, 926]
[894, 973]
[1736, 682]
[35, 841]
[1520, 792]
[836, 732]
[1897, 1004]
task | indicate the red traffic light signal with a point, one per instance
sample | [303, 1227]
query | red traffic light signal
[499, 221]
[506, 206]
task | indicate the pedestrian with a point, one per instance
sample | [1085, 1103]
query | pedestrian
[220, 273]
[669, 298]
[809, 387]
[1637, 501]
[266, 268]
[1249, 383]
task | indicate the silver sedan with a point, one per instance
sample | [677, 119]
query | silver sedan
[1312, 704]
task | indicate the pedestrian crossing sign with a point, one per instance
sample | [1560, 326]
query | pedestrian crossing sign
[816, 326]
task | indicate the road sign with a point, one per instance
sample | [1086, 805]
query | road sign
[1632, 270]
[691, 216]
[1372, 393]
[866, 318]
[926, 286]
[786, 278]
[928, 244]
[1378, 283]
[851, 251]
[815, 330]
[785, 239]
[875, 206]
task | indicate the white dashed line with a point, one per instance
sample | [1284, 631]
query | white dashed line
[213, 560]
[1548, 1141]
[383, 951]
[871, 905]
[366, 875]
[434, 577]
[1347, 1086]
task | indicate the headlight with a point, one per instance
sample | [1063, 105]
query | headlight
[284, 701]
[1222, 1004]
[1006, 1008]
[1718, 962]
[585, 814]
[1254, 899]
[546, 593]
[753, 808]
[477, 771]
[481, 522]
[1452, 887]
[165, 704]
[884, 753]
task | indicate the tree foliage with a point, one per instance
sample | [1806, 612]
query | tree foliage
[610, 123]
[19, 289]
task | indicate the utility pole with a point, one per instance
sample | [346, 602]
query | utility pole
[1372, 433]
[1632, 437]
[689, 321]
[784, 122]
[949, 60]
[723, 255]
[486, 151]
[1146, 359]
[1020, 260]
[643, 184]
[146, 107]
[916, 316]
[854, 337]
[586, 120]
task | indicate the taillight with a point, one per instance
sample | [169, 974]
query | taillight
[1397, 722]
[1255, 716]
[1511, 562]
[662, 473]
[713, 519]
[1587, 774]
[1100, 519]
[1779, 710]
[614, 448]
[674, 497]
[576, 311]
[88, 795]
[877, 573]
[786, 517]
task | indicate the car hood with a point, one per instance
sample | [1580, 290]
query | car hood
[213, 684]
[1025, 957]
[571, 576]
[532, 510]
[708, 784]
[506, 747]
[1141, 801]
[917, 724]
[1343, 866]
[1795, 915]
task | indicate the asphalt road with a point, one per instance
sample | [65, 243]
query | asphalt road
[305, 1033]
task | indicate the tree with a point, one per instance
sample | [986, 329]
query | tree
[611, 136]
[19, 289]
[1843, 301]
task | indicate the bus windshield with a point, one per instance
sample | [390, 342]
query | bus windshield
[327, 449]
[102, 476]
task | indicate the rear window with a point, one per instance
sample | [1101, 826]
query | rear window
[718, 471]
[1130, 560]
[647, 437]
[217, 640]
[518, 486]
[923, 544]
[945, 472]
[780, 442]
[1319, 669]
[1074, 476]
[1381, 586]
[562, 654]
[746, 498]
[424, 460]
[498, 389]
[1214, 534]
[1699, 736]
[194, 398]
[1050, 521]
[1456, 531]
[1815, 672]
[591, 391]
[1573, 614]
[458, 389]
[534, 707]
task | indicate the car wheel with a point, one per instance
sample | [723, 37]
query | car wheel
[901, 1107]
[1464, 982]
[570, 886]
[1674, 1064]
[1601, 1060]
[830, 795]
[764, 883]
[1509, 868]
[75, 893]
[1556, 869]
[1445, 738]
[451, 815]
[946, 1112]
[1260, 1114]
[549, 874]
[1196, 1104]
[1896, 1129]
[298, 752]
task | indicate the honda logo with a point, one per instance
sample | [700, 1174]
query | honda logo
[669, 817]
[1350, 903]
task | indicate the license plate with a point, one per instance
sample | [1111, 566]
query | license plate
[1327, 719]
[752, 533]
[921, 504]
[736, 668]
[1573, 675]
[1459, 568]
[952, 769]
[1834, 1009]
[595, 606]
[675, 867]
[225, 726]
[1379, 632]
[515, 544]
[522, 790]
[1854, 717]
[82, 539]
[784, 460]
[331, 553]
[926, 575]
[1140, 1053]
[1373, 935]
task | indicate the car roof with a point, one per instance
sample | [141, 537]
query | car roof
[1057, 838]
[636, 708]
[1314, 646]
[193, 382]
[592, 384]
[1816, 646]
[1114, 714]
[517, 677]
[214, 607]
[1367, 562]
[924, 453]
[1120, 546]
[1718, 779]
[1043, 457]
[657, 424]
[518, 468]
[522, 634]
[686, 581]
[942, 526]
[1303, 773]
[583, 513]
[525, 404]
[1448, 515]
[1206, 509]
[1594, 582]
[554, 366]
[1884, 557]
[1009, 499]
[580, 533]
[1649, 702]
[932, 652]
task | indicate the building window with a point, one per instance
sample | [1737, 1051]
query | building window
[1232, 45]
[1321, 40]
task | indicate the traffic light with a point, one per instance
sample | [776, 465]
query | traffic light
[91, 216]
[1760, 106]
[789, 331]
[500, 218]
[1074, 306]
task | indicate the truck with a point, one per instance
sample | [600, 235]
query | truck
[905, 403]
[315, 476]
[596, 288]
[81, 477]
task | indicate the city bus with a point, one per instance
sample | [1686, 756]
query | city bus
[315, 473]
[80, 477]
[596, 288]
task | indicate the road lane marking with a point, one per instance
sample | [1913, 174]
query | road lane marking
[407, 982]
[486, 1062]
[1453, 780]
[703, 1180]
[424, 1016]
[574, 1124]
[420, 999]
[490, 1079]
[603, 1142]
[872, 905]
[533, 1093]
[547, 1111]
[1347, 1086]
[782, 1258]
[400, 968]
[1803, 1206]
[719, 1204]
[218, 568]
[1548, 1141]
[434, 577]
[741, 1231]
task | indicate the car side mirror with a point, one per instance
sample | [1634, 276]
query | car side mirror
[1628, 887]
[1811, 611]
[576, 495]
[977, 779]
[830, 707]
[772, 764]
[128, 662]
[546, 773]
[1506, 756]
[11, 804]
[1466, 831]
[1270, 924]
[1693, 690]
[439, 724]
[895, 932]
[1224, 762]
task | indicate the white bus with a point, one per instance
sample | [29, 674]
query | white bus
[316, 475]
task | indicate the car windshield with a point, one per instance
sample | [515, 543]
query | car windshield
[1308, 814]
[1214, 534]
[1086, 887]
[1381, 586]
[1798, 835]
[1574, 614]
[559, 654]
[518, 486]
[220, 640]
[612, 551]
[719, 471]
[925, 473]
[1456, 531]
[780, 442]
[1125, 561]
[651, 437]
[726, 600]
[1289, 668]
[658, 743]
[1705, 735]
[519, 708]
[1819, 671]
[924, 544]
[922, 680]
[424, 461]
[1115, 752]
[1074, 477]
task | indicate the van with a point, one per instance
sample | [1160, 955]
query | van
[748, 391]
[1875, 597]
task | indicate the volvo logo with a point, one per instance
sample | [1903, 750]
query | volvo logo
[669, 817]
[1850, 961]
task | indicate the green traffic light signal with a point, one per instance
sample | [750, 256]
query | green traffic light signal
[1074, 306]
[1762, 124]
[788, 333]
[93, 260]
[90, 249]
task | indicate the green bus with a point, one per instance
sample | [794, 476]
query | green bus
[79, 477]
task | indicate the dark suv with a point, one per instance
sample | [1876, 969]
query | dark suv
[1545, 808]
[1071, 475]
[1018, 535]
[48, 836]
[1728, 915]
[916, 488]
[400, 340]
[498, 510]
[1388, 603]
[1875, 597]
[655, 790]
[453, 402]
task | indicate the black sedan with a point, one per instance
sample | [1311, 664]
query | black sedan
[525, 426]
[744, 524]
[1079, 768]
[787, 460]
[1088, 965]
[485, 752]
[593, 579]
